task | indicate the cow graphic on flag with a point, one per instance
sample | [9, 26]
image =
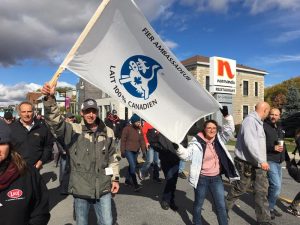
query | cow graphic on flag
[139, 76]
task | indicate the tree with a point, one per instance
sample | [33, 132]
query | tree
[292, 101]
[279, 101]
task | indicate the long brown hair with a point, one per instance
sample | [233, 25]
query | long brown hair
[17, 160]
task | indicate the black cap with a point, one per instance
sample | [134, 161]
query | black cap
[8, 115]
[5, 133]
[69, 115]
[89, 104]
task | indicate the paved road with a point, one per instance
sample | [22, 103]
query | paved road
[130, 208]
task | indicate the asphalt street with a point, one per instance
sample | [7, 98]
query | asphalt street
[143, 208]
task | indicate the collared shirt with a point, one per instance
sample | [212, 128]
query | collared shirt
[28, 127]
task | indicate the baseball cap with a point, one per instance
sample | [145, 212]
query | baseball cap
[89, 104]
[69, 115]
[8, 115]
[5, 133]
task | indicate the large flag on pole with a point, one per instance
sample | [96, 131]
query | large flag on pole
[123, 56]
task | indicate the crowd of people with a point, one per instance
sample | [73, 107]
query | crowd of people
[88, 154]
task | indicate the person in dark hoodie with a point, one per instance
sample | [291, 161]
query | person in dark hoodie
[169, 165]
[23, 194]
[276, 154]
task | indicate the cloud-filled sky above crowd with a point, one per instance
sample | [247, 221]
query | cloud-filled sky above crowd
[36, 35]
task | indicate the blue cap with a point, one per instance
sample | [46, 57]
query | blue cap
[135, 118]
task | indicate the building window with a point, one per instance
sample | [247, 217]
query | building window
[245, 111]
[245, 88]
[207, 83]
[255, 88]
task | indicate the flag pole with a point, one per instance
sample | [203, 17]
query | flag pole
[79, 41]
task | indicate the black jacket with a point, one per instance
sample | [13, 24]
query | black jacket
[32, 145]
[164, 146]
[25, 201]
[117, 127]
[273, 134]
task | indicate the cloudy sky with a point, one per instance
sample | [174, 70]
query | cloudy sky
[35, 36]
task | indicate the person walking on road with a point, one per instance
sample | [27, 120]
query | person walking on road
[132, 141]
[8, 118]
[23, 194]
[210, 159]
[251, 162]
[32, 138]
[169, 165]
[292, 208]
[276, 154]
[94, 170]
[113, 121]
[152, 157]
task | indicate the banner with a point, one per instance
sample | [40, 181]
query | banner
[123, 56]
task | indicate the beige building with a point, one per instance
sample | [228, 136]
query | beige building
[249, 84]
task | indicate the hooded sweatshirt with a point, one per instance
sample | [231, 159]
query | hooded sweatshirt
[251, 141]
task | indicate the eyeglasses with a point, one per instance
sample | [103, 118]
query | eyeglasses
[211, 128]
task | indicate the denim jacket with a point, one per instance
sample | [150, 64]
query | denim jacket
[194, 152]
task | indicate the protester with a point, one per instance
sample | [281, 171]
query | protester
[152, 158]
[113, 121]
[23, 194]
[32, 138]
[8, 118]
[251, 162]
[210, 159]
[181, 173]
[132, 141]
[169, 165]
[94, 171]
[70, 117]
[276, 154]
[292, 208]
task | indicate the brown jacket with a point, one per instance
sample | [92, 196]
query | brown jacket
[132, 139]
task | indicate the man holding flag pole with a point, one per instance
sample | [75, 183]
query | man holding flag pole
[121, 54]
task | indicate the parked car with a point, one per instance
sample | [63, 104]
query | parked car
[290, 124]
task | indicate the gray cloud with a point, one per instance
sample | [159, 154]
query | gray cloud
[45, 30]
[13, 94]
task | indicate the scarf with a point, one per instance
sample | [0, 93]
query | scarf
[8, 176]
[113, 118]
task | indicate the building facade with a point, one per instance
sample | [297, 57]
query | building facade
[249, 84]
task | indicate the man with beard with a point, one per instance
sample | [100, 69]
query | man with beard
[276, 154]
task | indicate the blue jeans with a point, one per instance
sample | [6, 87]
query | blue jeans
[181, 166]
[215, 186]
[132, 161]
[275, 178]
[102, 208]
[171, 175]
[152, 157]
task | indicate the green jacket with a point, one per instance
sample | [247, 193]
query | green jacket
[90, 153]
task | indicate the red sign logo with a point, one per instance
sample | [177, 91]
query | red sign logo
[16, 193]
[224, 64]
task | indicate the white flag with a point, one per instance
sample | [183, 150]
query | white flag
[123, 56]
